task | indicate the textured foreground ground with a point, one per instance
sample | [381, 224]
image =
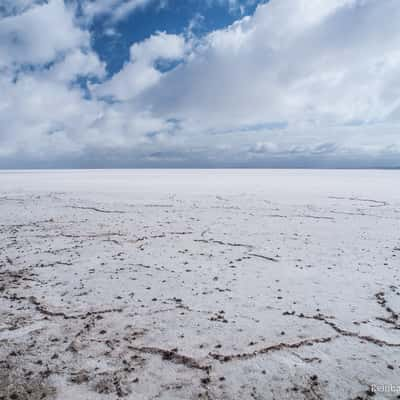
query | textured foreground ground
[199, 284]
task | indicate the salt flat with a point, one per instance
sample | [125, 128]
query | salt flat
[199, 284]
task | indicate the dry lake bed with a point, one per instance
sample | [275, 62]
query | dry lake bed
[199, 284]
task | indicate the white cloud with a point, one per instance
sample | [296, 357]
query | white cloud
[39, 34]
[311, 63]
[92, 9]
[299, 79]
[126, 8]
[76, 63]
[44, 119]
[140, 73]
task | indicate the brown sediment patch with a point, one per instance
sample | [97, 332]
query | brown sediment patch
[173, 356]
[17, 383]
[272, 348]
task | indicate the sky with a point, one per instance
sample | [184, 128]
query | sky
[199, 83]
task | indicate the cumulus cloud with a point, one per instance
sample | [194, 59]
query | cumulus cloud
[76, 63]
[39, 34]
[140, 73]
[298, 61]
[314, 65]
[300, 82]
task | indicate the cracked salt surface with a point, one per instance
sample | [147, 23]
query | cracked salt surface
[242, 284]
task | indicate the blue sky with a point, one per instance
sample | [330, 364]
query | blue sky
[213, 83]
[174, 16]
